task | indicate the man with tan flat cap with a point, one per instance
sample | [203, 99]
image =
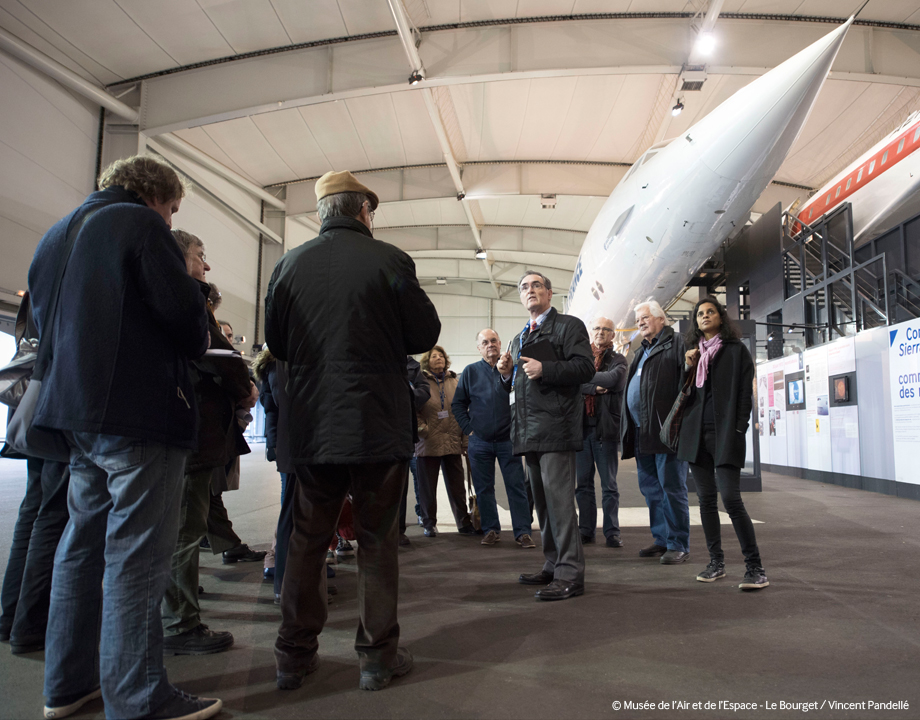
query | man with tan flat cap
[344, 310]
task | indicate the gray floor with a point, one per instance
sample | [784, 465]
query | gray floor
[840, 621]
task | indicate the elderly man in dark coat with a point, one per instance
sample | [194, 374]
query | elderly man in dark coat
[343, 311]
[544, 372]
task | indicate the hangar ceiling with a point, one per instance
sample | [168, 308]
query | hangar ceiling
[523, 98]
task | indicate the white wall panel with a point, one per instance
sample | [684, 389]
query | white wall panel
[48, 156]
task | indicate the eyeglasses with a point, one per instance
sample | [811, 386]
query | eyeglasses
[536, 285]
[602, 329]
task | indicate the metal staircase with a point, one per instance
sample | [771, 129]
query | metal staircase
[842, 296]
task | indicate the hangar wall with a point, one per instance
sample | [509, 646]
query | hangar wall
[48, 141]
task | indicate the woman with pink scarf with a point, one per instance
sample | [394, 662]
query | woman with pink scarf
[712, 435]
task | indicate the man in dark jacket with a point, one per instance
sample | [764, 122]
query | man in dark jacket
[420, 389]
[603, 396]
[481, 408]
[128, 321]
[546, 416]
[221, 386]
[343, 311]
[655, 379]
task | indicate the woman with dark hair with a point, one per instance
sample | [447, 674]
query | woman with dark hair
[440, 445]
[712, 434]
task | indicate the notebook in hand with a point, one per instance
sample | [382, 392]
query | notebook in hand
[541, 350]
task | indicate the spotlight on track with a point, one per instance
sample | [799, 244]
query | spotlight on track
[481, 254]
[415, 78]
[677, 109]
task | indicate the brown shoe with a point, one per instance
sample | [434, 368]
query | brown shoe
[525, 541]
[491, 538]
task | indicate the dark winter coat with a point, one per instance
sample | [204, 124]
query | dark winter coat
[661, 379]
[221, 384]
[547, 412]
[344, 310]
[267, 400]
[419, 390]
[608, 406]
[276, 398]
[731, 377]
[129, 320]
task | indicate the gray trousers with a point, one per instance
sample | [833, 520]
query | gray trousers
[552, 479]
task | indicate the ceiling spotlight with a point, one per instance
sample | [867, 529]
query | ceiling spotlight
[21, 293]
[548, 202]
[770, 337]
[441, 281]
[481, 254]
[705, 43]
[677, 109]
[415, 78]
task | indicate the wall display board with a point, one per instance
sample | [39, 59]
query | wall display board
[844, 413]
[817, 410]
[796, 402]
[904, 371]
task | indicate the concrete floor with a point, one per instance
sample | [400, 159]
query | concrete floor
[839, 622]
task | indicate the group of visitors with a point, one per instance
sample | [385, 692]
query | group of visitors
[151, 401]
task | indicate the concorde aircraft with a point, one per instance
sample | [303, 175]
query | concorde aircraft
[882, 185]
[684, 197]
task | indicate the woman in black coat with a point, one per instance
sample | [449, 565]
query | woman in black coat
[712, 434]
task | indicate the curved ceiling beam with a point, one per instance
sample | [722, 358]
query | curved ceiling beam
[519, 257]
[478, 55]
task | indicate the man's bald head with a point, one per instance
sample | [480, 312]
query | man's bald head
[489, 345]
[603, 331]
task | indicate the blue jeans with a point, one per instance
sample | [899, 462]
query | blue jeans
[483, 455]
[595, 453]
[110, 573]
[663, 482]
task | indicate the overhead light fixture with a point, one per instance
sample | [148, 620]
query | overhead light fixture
[705, 43]
[677, 109]
[441, 281]
[21, 293]
[415, 78]
[770, 337]
[548, 202]
[481, 254]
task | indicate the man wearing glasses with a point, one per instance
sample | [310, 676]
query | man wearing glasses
[603, 397]
[543, 373]
[481, 407]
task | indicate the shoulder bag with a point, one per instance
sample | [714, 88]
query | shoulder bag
[670, 428]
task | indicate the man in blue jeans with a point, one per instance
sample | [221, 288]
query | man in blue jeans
[481, 408]
[652, 384]
[128, 320]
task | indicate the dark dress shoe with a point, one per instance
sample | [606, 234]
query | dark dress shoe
[204, 543]
[614, 542]
[431, 532]
[403, 540]
[268, 573]
[293, 680]
[587, 539]
[197, 641]
[243, 553]
[674, 557]
[467, 530]
[540, 578]
[560, 590]
[379, 679]
[653, 550]
[28, 644]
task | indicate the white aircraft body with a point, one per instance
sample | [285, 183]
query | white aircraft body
[684, 197]
[882, 185]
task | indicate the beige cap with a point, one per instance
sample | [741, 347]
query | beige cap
[339, 182]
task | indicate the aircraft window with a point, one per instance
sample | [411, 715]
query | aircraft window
[859, 177]
[827, 200]
[849, 180]
[618, 226]
[871, 167]
[901, 145]
[885, 157]
[648, 156]
[917, 134]
[837, 194]
[810, 211]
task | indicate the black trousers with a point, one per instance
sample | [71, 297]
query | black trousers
[724, 480]
[43, 515]
[428, 467]
[285, 527]
[319, 493]
[220, 530]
